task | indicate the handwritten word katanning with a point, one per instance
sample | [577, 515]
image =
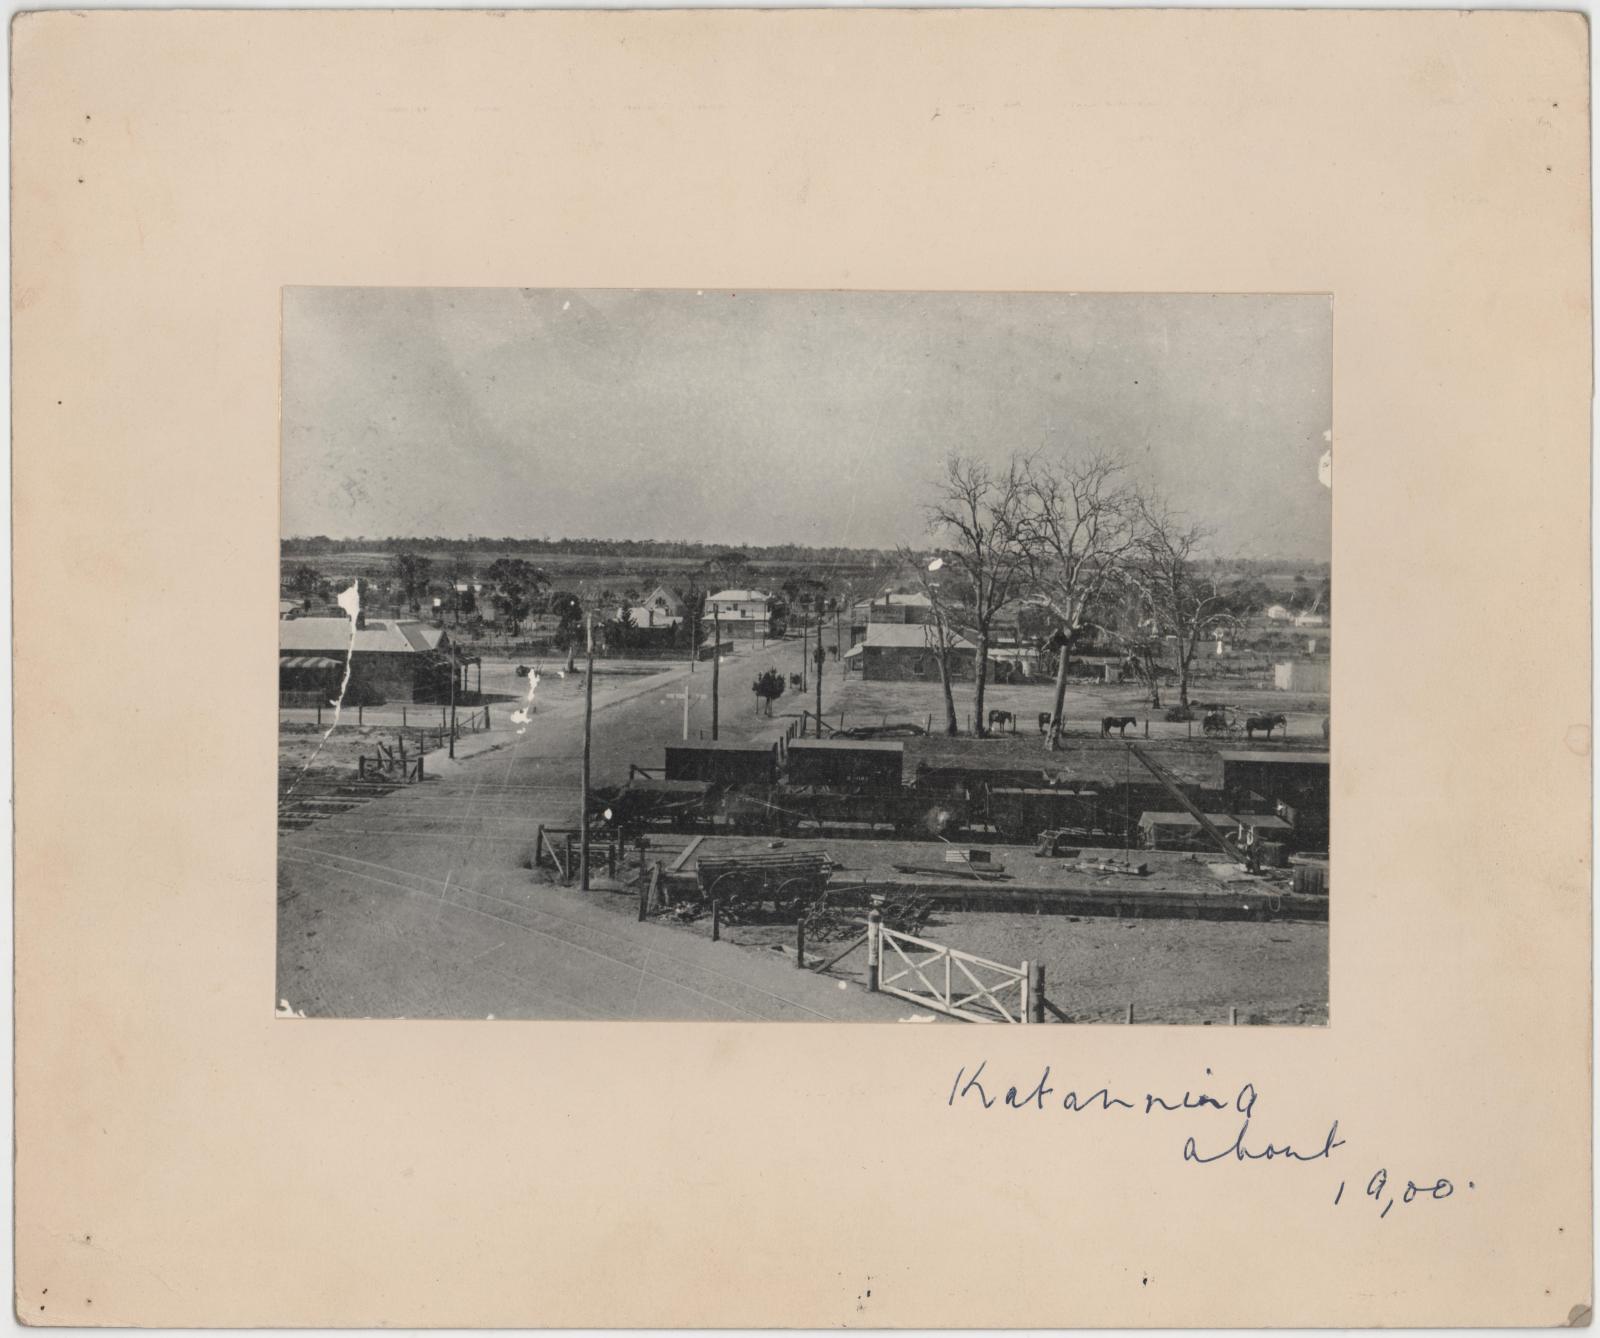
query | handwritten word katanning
[1042, 1096]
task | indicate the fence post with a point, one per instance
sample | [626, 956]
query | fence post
[800, 944]
[1130, 1014]
[1233, 1015]
[402, 717]
[1147, 727]
[319, 712]
[567, 870]
[486, 719]
[874, 948]
[716, 920]
[1036, 993]
[538, 846]
[360, 718]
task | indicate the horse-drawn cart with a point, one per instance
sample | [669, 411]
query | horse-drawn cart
[743, 885]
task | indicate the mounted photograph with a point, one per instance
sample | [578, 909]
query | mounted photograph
[949, 657]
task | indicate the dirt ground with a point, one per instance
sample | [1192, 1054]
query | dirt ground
[872, 702]
[1173, 972]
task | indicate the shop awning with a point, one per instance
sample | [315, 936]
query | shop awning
[308, 662]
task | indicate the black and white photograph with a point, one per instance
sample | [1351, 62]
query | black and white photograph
[912, 657]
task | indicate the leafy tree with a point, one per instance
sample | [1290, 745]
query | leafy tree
[413, 572]
[516, 583]
[569, 631]
[461, 571]
[729, 571]
[306, 583]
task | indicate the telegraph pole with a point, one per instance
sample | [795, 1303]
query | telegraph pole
[452, 702]
[821, 655]
[588, 716]
[716, 668]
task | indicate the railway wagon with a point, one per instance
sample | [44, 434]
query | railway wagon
[723, 764]
[846, 764]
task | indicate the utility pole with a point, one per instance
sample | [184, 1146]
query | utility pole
[803, 645]
[452, 701]
[820, 657]
[716, 667]
[588, 716]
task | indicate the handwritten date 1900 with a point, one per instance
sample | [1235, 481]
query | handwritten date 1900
[1378, 1191]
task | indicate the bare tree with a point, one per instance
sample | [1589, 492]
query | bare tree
[977, 521]
[1183, 604]
[1079, 530]
[933, 579]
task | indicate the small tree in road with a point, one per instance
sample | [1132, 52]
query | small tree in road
[768, 688]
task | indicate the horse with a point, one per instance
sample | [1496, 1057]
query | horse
[1003, 718]
[1119, 723]
[1268, 723]
[1216, 722]
[1045, 717]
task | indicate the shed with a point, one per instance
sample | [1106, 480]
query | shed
[895, 652]
[1181, 831]
[1302, 676]
[846, 763]
[390, 659]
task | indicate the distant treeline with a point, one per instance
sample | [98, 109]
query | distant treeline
[678, 549]
[684, 550]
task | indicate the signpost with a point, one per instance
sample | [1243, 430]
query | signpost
[687, 698]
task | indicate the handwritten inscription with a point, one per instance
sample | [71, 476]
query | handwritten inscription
[1205, 1148]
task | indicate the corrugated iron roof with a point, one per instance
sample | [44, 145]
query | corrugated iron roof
[911, 635]
[333, 635]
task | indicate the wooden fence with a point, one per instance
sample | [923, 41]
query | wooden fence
[947, 980]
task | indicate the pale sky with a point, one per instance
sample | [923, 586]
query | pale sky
[770, 417]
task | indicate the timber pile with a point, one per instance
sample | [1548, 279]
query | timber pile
[828, 920]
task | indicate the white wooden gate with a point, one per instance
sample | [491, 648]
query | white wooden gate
[950, 981]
